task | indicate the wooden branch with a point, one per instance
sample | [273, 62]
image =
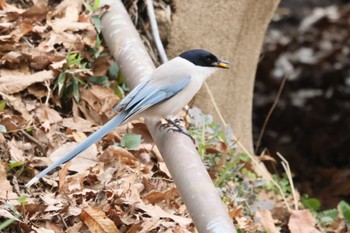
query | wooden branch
[189, 174]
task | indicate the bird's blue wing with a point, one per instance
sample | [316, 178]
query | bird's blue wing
[153, 93]
[124, 102]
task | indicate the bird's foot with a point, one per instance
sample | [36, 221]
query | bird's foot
[175, 126]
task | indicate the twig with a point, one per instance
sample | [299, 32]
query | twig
[155, 31]
[27, 135]
[270, 113]
[216, 107]
[286, 167]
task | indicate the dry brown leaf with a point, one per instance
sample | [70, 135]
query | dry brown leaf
[149, 224]
[79, 124]
[58, 64]
[15, 152]
[53, 202]
[11, 84]
[44, 113]
[4, 25]
[302, 221]
[55, 227]
[141, 129]
[11, 59]
[42, 230]
[101, 66]
[6, 192]
[70, 9]
[105, 95]
[265, 217]
[82, 162]
[6, 214]
[21, 29]
[3, 4]
[60, 26]
[155, 197]
[37, 12]
[75, 228]
[63, 185]
[97, 221]
[156, 212]
[39, 61]
[163, 168]
[113, 153]
[38, 91]
[180, 230]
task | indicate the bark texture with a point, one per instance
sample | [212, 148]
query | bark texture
[233, 30]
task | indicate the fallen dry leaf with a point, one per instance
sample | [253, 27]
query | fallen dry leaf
[79, 124]
[75, 228]
[156, 212]
[15, 152]
[82, 162]
[265, 217]
[6, 192]
[11, 84]
[302, 221]
[55, 227]
[42, 230]
[16, 102]
[156, 197]
[6, 214]
[44, 113]
[97, 221]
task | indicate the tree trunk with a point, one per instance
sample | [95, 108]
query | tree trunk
[233, 30]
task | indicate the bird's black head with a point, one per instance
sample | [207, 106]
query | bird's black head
[204, 58]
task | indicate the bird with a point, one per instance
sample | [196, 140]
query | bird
[170, 87]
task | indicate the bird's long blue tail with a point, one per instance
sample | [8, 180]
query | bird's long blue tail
[93, 138]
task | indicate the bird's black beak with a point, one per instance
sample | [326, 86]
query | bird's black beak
[221, 64]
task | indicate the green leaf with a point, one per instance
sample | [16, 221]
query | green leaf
[88, 7]
[3, 129]
[96, 20]
[2, 105]
[96, 5]
[60, 82]
[344, 209]
[113, 71]
[7, 223]
[74, 59]
[119, 92]
[14, 164]
[311, 203]
[131, 141]
[101, 80]
[29, 129]
[328, 216]
[23, 200]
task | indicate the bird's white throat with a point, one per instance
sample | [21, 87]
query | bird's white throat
[203, 72]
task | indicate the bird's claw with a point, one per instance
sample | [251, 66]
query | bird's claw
[174, 126]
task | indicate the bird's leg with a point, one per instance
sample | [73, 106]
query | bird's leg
[174, 125]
